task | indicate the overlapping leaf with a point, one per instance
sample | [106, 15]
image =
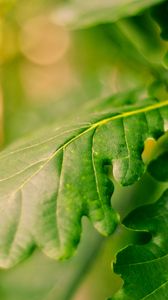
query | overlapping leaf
[158, 168]
[145, 268]
[158, 165]
[47, 183]
[78, 13]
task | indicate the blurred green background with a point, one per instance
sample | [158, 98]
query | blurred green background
[48, 73]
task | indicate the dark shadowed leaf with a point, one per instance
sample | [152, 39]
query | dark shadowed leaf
[144, 268]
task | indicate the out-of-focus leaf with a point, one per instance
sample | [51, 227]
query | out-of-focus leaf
[160, 14]
[99, 67]
[78, 13]
[144, 268]
[142, 32]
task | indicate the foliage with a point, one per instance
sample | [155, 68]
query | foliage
[98, 158]
[62, 173]
[144, 268]
[80, 14]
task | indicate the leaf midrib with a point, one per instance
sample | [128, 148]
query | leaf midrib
[93, 126]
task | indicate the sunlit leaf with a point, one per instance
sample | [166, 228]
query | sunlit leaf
[48, 182]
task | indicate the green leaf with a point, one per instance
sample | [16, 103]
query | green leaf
[160, 13]
[158, 168]
[144, 268]
[50, 181]
[40, 278]
[158, 165]
[78, 13]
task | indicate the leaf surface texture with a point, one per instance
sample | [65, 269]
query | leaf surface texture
[50, 181]
[144, 268]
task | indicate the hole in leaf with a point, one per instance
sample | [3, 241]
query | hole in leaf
[149, 147]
